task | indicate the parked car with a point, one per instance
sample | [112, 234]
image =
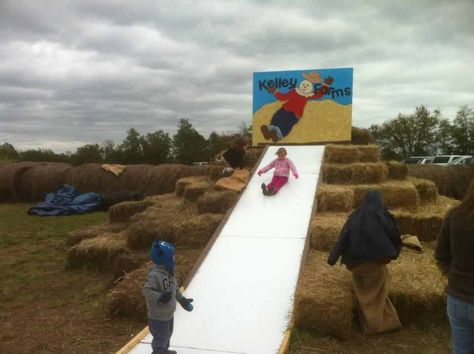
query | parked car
[426, 160]
[416, 159]
[444, 160]
[465, 160]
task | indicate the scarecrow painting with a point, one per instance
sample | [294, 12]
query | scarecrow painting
[299, 107]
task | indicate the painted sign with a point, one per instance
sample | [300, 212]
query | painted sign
[302, 106]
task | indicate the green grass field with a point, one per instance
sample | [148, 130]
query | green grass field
[44, 307]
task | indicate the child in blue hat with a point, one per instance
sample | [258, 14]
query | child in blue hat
[161, 293]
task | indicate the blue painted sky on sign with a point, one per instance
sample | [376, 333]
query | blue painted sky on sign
[284, 81]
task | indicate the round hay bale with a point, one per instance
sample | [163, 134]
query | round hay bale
[163, 178]
[122, 212]
[97, 253]
[417, 288]
[323, 299]
[325, 229]
[397, 170]
[217, 202]
[334, 198]
[127, 299]
[427, 191]
[133, 178]
[77, 236]
[42, 178]
[86, 178]
[361, 136]
[10, 175]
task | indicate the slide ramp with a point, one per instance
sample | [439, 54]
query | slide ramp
[243, 290]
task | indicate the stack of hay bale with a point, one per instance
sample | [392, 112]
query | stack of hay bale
[324, 300]
[188, 218]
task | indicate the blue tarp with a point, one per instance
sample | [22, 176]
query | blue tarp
[66, 201]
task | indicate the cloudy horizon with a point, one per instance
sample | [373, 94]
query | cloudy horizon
[73, 73]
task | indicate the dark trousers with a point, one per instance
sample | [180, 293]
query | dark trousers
[284, 120]
[161, 332]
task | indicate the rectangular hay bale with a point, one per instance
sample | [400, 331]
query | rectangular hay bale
[394, 194]
[323, 299]
[325, 229]
[397, 170]
[354, 173]
[334, 198]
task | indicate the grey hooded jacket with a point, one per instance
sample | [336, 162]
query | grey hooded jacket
[160, 281]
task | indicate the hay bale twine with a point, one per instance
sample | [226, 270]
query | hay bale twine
[334, 198]
[40, 179]
[10, 175]
[122, 212]
[97, 253]
[397, 170]
[417, 288]
[323, 299]
[217, 202]
[325, 229]
[163, 178]
[427, 191]
[126, 298]
[354, 173]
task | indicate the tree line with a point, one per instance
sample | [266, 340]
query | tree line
[186, 146]
[426, 133]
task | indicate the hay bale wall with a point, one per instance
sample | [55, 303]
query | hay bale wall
[323, 299]
[217, 202]
[354, 173]
[351, 153]
[126, 298]
[9, 179]
[427, 191]
[417, 288]
[163, 177]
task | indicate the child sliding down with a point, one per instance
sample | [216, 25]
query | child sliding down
[282, 167]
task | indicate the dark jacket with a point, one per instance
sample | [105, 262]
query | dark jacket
[370, 234]
[455, 254]
[235, 157]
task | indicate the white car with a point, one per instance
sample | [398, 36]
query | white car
[465, 160]
[417, 159]
[445, 160]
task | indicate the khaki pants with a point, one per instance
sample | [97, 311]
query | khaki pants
[376, 311]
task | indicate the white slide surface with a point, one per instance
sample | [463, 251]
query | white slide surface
[243, 290]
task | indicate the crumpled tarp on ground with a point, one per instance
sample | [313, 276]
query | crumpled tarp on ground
[236, 182]
[66, 201]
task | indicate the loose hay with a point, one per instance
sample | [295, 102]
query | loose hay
[354, 173]
[126, 298]
[427, 191]
[98, 252]
[397, 170]
[122, 212]
[325, 229]
[323, 299]
[334, 198]
[417, 288]
[352, 153]
[216, 202]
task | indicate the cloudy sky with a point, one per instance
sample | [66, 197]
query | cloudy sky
[77, 72]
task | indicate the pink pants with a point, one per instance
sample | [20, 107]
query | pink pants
[277, 182]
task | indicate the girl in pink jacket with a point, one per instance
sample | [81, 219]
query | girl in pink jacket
[282, 167]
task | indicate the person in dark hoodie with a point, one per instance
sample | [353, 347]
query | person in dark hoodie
[233, 157]
[368, 241]
[161, 293]
[455, 255]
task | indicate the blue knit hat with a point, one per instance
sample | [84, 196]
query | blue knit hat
[162, 253]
